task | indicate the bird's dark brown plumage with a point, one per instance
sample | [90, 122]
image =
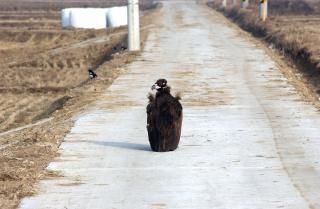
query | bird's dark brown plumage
[164, 118]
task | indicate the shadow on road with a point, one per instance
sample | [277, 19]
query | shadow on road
[122, 145]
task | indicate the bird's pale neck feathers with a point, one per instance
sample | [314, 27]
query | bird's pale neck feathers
[164, 90]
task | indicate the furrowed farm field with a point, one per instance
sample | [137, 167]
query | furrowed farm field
[40, 61]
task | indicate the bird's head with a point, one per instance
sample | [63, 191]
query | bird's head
[160, 85]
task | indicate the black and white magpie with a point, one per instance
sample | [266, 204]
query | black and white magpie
[92, 74]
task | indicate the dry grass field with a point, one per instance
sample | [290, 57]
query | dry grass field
[39, 61]
[293, 28]
[43, 74]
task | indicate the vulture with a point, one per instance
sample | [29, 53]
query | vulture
[164, 118]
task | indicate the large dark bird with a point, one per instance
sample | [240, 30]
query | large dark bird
[164, 118]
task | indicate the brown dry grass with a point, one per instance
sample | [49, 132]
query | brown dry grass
[38, 57]
[32, 89]
[39, 72]
[292, 28]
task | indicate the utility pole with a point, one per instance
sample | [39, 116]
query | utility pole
[133, 25]
[263, 9]
[224, 3]
[244, 3]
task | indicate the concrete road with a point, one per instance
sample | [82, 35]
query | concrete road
[248, 141]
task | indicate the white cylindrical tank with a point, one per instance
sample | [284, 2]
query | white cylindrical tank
[77, 17]
[118, 16]
[65, 17]
[98, 18]
[88, 18]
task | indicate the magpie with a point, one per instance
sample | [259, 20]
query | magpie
[92, 74]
